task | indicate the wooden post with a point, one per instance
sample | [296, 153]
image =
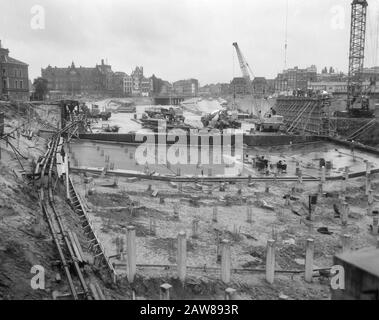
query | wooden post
[344, 213]
[309, 260]
[346, 242]
[195, 228]
[67, 168]
[165, 291]
[323, 175]
[215, 214]
[346, 174]
[153, 226]
[300, 177]
[270, 261]
[375, 227]
[182, 255]
[131, 251]
[176, 211]
[230, 294]
[249, 214]
[368, 184]
[225, 261]
[297, 168]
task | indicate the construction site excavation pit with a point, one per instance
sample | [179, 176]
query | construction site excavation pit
[246, 213]
[120, 158]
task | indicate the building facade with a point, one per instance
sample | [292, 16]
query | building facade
[14, 83]
[295, 78]
[371, 74]
[214, 90]
[260, 86]
[118, 84]
[128, 85]
[80, 80]
[141, 86]
[187, 88]
[239, 86]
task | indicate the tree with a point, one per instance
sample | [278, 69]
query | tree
[40, 88]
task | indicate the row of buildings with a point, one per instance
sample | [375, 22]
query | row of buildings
[102, 80]
[293, 79]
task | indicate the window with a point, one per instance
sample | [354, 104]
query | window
[15, 84]
[21, 84]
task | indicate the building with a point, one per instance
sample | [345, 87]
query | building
[157, 85]
[260, 86]
[270, 86]
[295, 78]
[141, 86]
[214, 90]
[119, 84]
[167, 89]
[128, 85]
[73, 80]
[187, 88]
[337, 87]
[239, 86]
[225, 89]
[371, 74]
[14, 82]
[334, 87]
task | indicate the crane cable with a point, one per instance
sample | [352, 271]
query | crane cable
[286, 37]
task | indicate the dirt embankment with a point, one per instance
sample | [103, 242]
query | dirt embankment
[24, 238]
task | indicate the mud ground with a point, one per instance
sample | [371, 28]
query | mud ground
[117, 203]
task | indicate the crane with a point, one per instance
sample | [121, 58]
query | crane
[357, 99]
[245, 69]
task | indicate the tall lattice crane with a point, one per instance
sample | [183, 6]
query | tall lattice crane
[357, 100]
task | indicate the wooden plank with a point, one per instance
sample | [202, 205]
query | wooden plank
[74, 247]
[99, 291]
[94, 291]
[78, 245]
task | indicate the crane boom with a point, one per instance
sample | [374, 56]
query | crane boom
[356, 53]
[245, 68]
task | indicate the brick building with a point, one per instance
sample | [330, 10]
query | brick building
[239, 86]
[295, 78]
[78, 80]
[118, 84]
[187, 88]
[14, 82]
[157, 85]
[260, 86]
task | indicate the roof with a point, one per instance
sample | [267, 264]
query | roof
[365, 259]
[7, 59]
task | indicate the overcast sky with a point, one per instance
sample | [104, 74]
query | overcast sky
[177, 39]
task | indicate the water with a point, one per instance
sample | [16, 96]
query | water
[123, 157]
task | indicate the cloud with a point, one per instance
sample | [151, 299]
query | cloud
[177, 39]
